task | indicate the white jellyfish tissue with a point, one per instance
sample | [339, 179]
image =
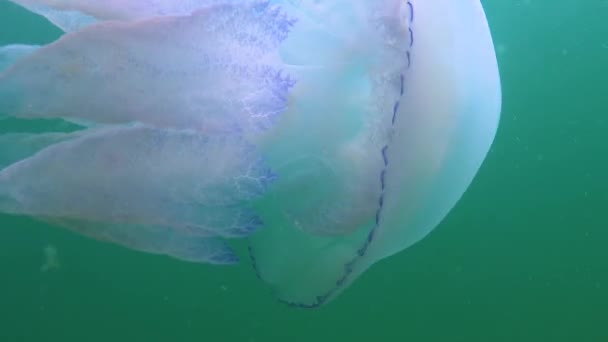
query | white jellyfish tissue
[326, 134]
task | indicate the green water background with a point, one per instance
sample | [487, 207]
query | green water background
[523, 256]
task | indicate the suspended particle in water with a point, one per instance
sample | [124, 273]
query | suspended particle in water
[51, 260]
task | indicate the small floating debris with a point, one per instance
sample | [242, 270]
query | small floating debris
[51, 260]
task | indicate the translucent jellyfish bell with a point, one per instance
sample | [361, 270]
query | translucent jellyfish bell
[327, 134]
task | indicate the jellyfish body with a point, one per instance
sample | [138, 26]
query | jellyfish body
[328, 134]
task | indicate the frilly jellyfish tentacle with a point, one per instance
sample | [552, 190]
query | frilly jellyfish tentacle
[71, 15]
[154, 239]
[196, 184]
[10, 54]
[23, 145]
[160, 72]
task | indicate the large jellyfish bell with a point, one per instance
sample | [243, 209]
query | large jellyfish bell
[327, 135]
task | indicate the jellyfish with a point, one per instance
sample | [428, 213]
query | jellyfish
[323, 135]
